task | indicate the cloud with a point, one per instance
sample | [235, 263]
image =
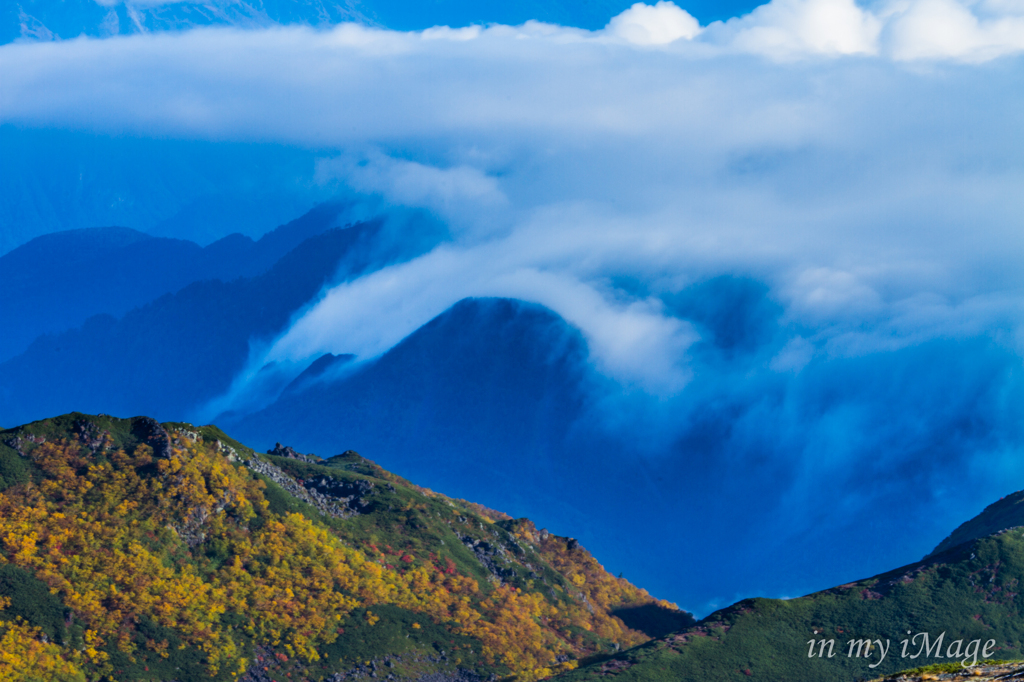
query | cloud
[937, 29]
[796, 27]
[653, 24]
[448, 192]
[630, 341]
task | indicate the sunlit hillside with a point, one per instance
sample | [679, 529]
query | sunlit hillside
[133, 550]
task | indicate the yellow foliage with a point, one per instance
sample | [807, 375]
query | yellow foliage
[114, 536]
[24, 657]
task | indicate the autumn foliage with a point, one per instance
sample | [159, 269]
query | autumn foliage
[187, 541]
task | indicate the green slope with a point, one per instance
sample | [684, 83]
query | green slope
[968, 592]
[1005, 513]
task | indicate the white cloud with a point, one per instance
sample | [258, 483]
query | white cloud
[448, 192]
[787, 28]
[877, 201]
[938, 29]
[903, 30]
[826, 291]
[654, 24]
[631, 341]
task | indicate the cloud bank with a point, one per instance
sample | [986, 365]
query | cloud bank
[790, 240]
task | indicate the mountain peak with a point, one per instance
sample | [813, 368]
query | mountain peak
[1007, 512]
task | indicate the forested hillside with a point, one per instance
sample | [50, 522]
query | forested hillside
[133, 550]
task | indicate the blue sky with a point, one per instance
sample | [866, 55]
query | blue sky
[858, 165]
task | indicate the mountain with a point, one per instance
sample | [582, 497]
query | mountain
[146, 551]
[192, 343]
[498, 400]
[57, 281]
[494, 399]
[55, 180]
[135, 550]
[462, 401]
[967, 590]
[1007, 512]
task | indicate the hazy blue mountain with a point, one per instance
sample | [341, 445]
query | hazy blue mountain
[57, 281]
[183, 348]
[499, 378]
[54, 180]
[497, 396]
[53, 20]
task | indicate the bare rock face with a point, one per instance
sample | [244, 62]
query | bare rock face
[154, 435]
[457, 676]
[322, 503]
[979, 673]
[351, 493]
[494, 557]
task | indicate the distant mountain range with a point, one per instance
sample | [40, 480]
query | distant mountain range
[494, 399]
[56, 180]
[57, 281]
[500, 379]
[197, 310]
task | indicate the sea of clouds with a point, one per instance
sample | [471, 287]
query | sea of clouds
[860, 166]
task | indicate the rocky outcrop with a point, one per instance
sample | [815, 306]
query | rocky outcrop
[489, 555]
[153, 434]
[351, 493]
[322, 503]
[977, 673]
[285, 451]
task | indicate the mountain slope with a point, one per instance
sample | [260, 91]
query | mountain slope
[156, 552]
[969, 592]
[57, 281]
[492, 377]
[1005, 513]
[494, 399]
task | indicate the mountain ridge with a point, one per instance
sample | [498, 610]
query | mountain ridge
[57, 281]
[965, 590]
[1004, 513]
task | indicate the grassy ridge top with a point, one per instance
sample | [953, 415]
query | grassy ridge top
[970, 592]
[132, 550]
[1007, 512]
